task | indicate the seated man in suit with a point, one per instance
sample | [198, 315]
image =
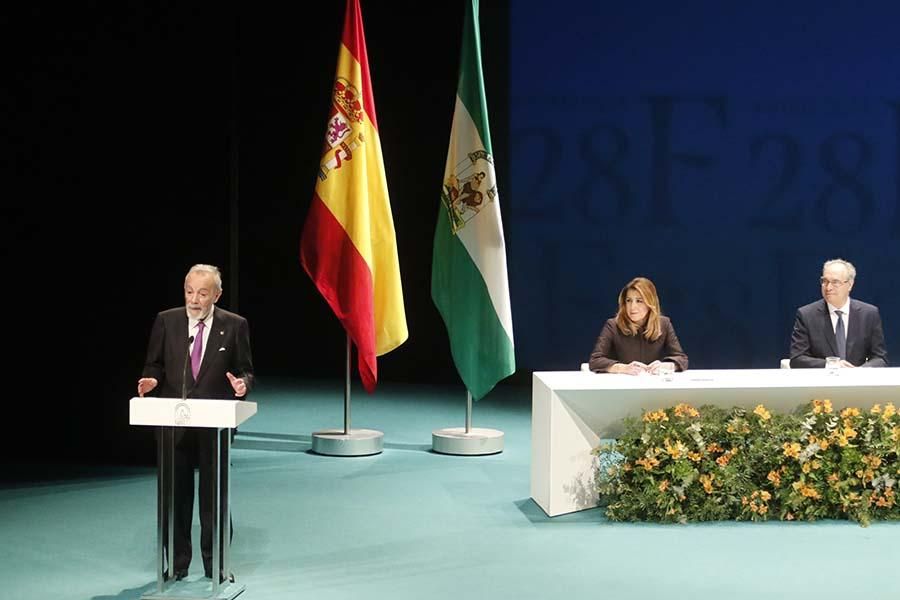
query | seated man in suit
[838, 325]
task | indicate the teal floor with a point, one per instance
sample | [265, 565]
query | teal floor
[411, 524]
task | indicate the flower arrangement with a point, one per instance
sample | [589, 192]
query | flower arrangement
[682, 464]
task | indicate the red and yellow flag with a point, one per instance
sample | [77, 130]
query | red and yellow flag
[348, 246]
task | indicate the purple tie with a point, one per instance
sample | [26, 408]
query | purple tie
[197, 351]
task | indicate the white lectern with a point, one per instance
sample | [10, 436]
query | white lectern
[167, 414]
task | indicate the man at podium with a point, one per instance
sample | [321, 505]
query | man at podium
[197, 351]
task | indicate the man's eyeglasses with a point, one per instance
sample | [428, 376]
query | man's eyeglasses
[832, 282]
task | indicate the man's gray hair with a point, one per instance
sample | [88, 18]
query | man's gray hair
[851, 270]
[212, 270]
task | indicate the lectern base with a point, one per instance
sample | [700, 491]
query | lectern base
[200, 589]
[359, 442]
[478, 442]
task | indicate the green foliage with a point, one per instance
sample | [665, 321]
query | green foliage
[682, 464]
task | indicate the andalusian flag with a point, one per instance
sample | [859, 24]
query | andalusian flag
[348, 246]
[468, 277]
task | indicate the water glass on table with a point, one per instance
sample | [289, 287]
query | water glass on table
[666, 370]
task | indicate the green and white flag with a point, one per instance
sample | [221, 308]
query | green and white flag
[469, 285]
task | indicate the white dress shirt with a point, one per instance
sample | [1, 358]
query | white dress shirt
[845, 313]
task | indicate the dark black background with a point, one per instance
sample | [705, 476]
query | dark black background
[125, 123]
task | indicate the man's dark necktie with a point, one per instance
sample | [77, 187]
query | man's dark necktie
[840, 335]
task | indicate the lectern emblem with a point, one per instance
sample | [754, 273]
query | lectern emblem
[182, 413]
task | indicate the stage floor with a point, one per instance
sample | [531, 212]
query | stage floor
[412, 524]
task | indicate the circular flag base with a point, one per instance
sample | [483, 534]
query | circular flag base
[359, 442]
[478, 442]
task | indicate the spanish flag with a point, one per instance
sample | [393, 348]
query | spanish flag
[348, 246]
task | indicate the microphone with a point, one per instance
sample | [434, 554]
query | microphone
[187, 360]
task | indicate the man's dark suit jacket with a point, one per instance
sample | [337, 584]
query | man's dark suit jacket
[813, 337]
[228, 350]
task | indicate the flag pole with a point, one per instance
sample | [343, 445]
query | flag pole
[354, 261]
[347, 391]
[468, 275]
[468, 440]
[347, 441]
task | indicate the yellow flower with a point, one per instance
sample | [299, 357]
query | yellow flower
[791, 449]
[849, 412]
[821, 406]
[706, 482]
[664, 485]
[648, 462]
[676, 450]
[865, 475]
[774, 477]
[695, 456]
[833, 478]
[883, 500]
[762, 413]
[875, 409]
[872, 461]
[713, 447]
[807, 491]
[821, 442]
[686, 410]
[757, 502]
[889, 411]
[807, 467]
[654, 416]
[843, 436]
[789, 517]
[722, 461]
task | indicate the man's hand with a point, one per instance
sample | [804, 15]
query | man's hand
[847, 365]
[146, 384]
[238, 384]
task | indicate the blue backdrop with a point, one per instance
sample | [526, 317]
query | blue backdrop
[723, 151]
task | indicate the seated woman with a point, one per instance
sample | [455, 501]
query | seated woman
[639, 338]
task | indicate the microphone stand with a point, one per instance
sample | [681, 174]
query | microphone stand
[169, 440]
[187, 359]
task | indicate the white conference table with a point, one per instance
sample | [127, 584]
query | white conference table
[571, 411]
